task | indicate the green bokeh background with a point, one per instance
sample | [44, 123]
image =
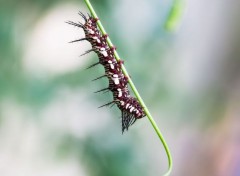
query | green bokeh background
[189, 77]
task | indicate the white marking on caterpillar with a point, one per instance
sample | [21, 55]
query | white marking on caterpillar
[91, 31]
[112, 66]
[119, 93]
[116, 81]
[104, 53]
[96, 38]
[132, 109]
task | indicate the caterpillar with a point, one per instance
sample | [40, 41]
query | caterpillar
[130, 108]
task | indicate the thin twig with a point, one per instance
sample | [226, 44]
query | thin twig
[135, 91]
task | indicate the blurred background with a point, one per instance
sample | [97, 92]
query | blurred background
[183, 57]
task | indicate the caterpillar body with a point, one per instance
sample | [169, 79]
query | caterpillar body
[130, 108]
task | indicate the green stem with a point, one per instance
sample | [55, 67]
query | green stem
[175, 15]
[135, 91]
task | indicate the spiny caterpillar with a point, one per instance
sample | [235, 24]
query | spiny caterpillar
[129, 106]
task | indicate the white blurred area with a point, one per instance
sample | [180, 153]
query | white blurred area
[48, 50]
[25, 145]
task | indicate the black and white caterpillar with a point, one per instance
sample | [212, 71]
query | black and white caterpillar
[130, 107]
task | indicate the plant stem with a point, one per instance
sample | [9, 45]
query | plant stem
[175, 15]
[93, 13]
